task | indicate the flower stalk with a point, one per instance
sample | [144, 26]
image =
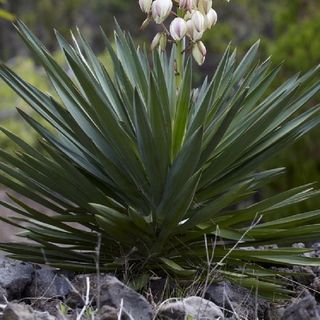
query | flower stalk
[191, 19]
[179, 61]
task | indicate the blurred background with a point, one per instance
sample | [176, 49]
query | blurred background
[289, 30]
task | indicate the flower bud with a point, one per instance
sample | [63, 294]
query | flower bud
[160, 40]
[199, 52]
[204, 6]
[163, 41]
[145, 5]
[198, 21]
[161, 10]
[156, 40]
[186, 4]
[192, 31]
[178, 28]
[211, 18]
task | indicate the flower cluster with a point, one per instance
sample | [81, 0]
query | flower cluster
[191, 19]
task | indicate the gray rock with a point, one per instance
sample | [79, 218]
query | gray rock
[299, 245]
[316, 247]
[303, 275]
[14, 277]
[47, 283]
[16, 311]
[110, 313]
[235, 299]
[112, 292]
[194, 307]
[305, 308]
[3, 296]
[76, 298]
[274, 312]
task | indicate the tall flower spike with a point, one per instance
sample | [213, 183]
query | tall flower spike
[145, 5]
[161, 10]
[178, 29]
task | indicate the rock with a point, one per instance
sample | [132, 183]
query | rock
[274, 312]
[235, 299]
[3, 295]
[316, 247]
[110, 313]
[315, 285]
[112, 292]
[16, 311]
[14, 277]
[47, 283]
[303, 275]
[299, 245]
[76, 297]
[194, 307]
[268, 247]
[305, 308]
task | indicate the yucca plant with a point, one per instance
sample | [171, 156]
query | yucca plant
[141, 172]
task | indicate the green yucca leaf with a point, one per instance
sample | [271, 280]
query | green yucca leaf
[181, 111]
[156, 171]
[175, 268]
[148, 148]
[270, 291]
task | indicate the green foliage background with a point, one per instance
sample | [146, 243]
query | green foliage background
[289, 30]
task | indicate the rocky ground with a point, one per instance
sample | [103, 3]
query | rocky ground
[30, 292]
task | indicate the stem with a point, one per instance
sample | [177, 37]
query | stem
[180, 55]
[179, 62]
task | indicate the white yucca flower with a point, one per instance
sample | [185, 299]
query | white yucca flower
[192, 32]
[161, 10]
[160, 40]
[198, 21]
[199, 52]
[204, 6]
[211, 18]
[187, 5]
[178, 28]
[145, 5]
